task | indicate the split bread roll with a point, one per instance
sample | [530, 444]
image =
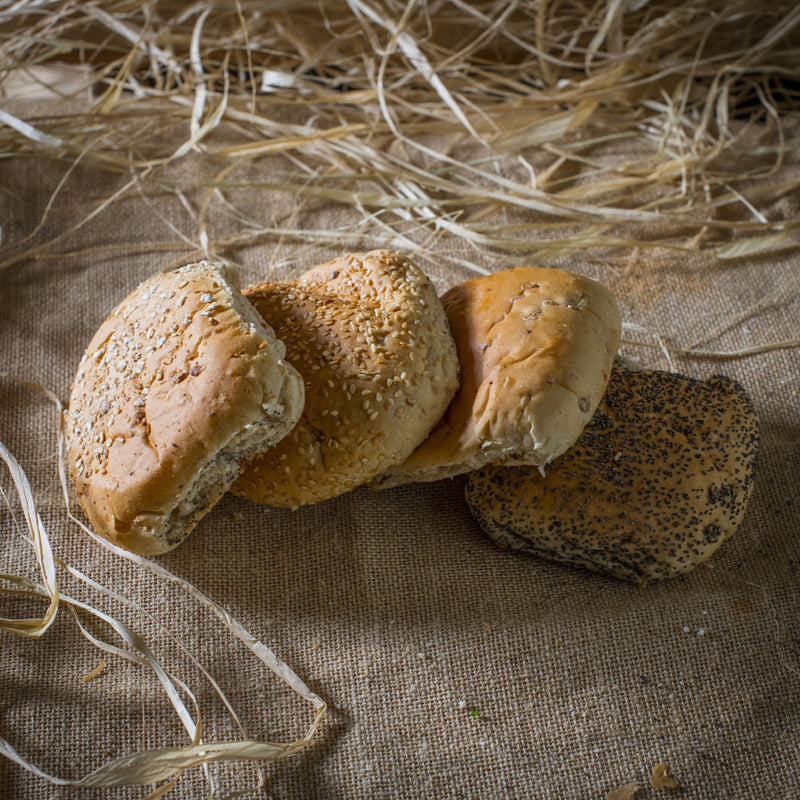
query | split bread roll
[368, 334]
[657, 482]
[180, 385]
[535, 346]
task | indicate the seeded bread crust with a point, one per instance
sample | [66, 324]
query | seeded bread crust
[368, 334]
[536, 347]
[180, 384]
[658, 480]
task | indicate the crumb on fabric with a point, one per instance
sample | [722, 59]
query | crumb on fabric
[661, 779]
[626, 792]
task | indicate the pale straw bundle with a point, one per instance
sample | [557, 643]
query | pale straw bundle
[403, 114]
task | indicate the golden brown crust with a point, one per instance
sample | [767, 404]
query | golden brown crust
[179, 383]
[369, 336]
[657, 481]
[535, 346]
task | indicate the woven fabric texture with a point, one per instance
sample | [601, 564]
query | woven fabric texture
[452, 669]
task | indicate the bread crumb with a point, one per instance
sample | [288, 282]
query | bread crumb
[660, 778]
[626, 792]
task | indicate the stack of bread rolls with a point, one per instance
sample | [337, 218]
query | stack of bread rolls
[357, 373]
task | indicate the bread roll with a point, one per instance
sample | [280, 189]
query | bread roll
[658, 480]
[535, 347]
[370, 337]
[180, 384]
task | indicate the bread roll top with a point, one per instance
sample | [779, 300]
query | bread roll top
[535, 347]
[181, 382]
[370, 337]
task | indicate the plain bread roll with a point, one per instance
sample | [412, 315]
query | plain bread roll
[535, 347]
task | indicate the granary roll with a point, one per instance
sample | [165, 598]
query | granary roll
[179, 385]
[535, 347]
[658, 480]
[368, 333]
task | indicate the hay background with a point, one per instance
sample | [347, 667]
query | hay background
[393, 606]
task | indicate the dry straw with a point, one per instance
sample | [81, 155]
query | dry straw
[521, 128]
[161, 767]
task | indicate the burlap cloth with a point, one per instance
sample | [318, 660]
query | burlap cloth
[452, 669]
